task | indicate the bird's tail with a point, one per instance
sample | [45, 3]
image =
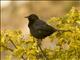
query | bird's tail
[58, 30]
[64, 30]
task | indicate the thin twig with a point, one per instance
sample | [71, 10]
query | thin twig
[7, 48]
[12, 43]
[10, 50]
[16, 48]
[46, 58]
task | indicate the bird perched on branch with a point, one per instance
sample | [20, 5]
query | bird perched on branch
[38, 28]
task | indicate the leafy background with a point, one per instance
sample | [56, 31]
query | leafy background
[66, 45]
[17, 43]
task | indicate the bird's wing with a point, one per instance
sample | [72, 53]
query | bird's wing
[42, 27]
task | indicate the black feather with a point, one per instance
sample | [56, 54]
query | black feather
[39, 28]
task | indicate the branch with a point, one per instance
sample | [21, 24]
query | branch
[42, 51]
[13, 43]
[16, 48]
[7, 48]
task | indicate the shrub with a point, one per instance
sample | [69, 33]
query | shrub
[67, 48]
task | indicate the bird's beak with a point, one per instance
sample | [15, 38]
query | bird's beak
[26, 17]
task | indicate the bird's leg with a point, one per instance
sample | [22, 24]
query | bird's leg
[39, 45]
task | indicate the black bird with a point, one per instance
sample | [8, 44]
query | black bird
[38, 28]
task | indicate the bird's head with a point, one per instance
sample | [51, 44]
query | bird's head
[32, 17]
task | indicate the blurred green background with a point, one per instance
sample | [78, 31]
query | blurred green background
[13, 12]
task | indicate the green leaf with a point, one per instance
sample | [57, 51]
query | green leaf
[18, 52]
